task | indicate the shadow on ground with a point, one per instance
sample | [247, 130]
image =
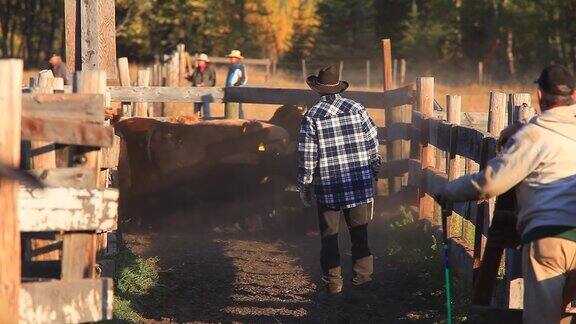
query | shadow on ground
[272, 276]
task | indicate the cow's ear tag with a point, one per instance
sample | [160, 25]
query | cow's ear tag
[261, 147]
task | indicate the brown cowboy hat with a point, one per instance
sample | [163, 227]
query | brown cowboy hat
[327, 81]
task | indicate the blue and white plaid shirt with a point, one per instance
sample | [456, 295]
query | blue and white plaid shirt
[337, 149]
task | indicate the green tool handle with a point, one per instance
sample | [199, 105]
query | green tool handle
[446, 247]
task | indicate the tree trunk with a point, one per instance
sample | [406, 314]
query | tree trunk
[510, 54]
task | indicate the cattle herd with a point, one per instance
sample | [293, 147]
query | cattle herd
[212, 174]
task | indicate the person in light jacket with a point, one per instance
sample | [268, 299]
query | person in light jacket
[236, 77]
[539, 160]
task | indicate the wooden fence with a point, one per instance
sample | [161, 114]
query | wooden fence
[54, 278]
[441, 151]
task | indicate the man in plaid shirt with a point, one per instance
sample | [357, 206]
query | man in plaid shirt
[338, 155]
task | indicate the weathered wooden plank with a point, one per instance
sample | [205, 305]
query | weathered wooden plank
[439, 134]
[299, 97]
[77, 107]
[110, 155]
[165, 94]
[44, 268]
[435, 180]
[78, 301]
[67, 132]
[67, 209]
[246, 61]
[414, 172]
[394, 168]
[78, 255]
[396, 131]
[10, 111]
[470, 142]
[65, 177]
[461, 257]
[391, 98]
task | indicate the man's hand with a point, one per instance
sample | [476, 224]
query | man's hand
[506, 133]
[306, 196]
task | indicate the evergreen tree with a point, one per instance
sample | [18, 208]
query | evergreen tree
[346, 30]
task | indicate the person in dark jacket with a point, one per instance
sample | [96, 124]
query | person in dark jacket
[58, 67]
[203, 76]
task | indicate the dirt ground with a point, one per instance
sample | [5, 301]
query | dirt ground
[265, 277]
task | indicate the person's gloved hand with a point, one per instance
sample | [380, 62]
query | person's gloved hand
[375, 167]
[375, 170]
[306, 195]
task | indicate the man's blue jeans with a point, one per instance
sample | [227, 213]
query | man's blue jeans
[202, 105]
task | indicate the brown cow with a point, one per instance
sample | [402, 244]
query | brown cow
[218, 169]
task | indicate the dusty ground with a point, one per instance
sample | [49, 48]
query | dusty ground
[274, 278]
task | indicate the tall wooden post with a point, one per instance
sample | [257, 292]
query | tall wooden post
[392, 116]
[91, 35]
[79, 249]
[453, 116]
[341, 70]
[496, 122]
[402, 75]
[425, 103]
[368, 74]
[124, 78]
[181, 49]
[141, 108]
[395, 74]
[304, 72]
[44, 157]
[480, 73]
[519, 110]
[10, 110]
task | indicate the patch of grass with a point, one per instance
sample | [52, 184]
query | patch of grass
[134, 278]
[417, 248]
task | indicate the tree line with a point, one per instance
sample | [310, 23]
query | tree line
[512, 38]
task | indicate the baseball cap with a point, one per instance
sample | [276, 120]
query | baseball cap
[557, 80]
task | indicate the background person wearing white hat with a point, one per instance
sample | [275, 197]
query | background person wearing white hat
[237, 77]
[203, 76]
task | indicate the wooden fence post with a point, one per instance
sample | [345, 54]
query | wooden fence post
[267, 76]
[480, 73]
[274, 67]
[392, 116]
[58, 85]
[497, 113]
[425, 103]
[304, 72]
[453, 116]
[141, 108]
[124, 76]
[10, 109]
[395, 74]
[520, 108]
[181, 49]
[402, 78]
[368, 74]
[485, 210]
[79, 249]
[43, 157]
[341, 70]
